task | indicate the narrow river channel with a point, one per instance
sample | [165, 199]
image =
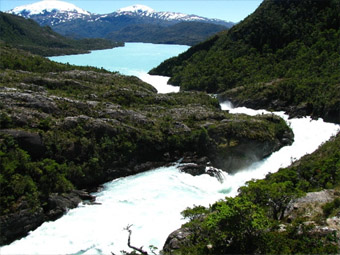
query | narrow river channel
[152, 201]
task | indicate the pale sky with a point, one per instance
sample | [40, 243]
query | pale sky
[229, 10]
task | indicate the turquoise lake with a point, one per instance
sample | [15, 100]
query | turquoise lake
[132, 59]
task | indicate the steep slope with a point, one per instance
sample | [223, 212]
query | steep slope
[28, 35]
[285, 56]
[189, 33]
[72, 21]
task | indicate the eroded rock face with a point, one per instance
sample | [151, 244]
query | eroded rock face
[58, 204]
[309, 205]
[14, 225]
[29, 99]
[18, 224]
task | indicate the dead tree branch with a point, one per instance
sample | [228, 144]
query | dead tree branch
[129, 242]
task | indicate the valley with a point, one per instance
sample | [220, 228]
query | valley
[94, 147]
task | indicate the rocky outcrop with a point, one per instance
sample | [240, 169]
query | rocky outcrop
[330, 114]
[310, 208]
[177, 239]
[18, 224]
[58, 204]
[28, 99]
[309, 205]
[231, 150]
[28, 141]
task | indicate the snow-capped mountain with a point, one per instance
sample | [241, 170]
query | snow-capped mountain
[145, 11]
[51, 12]
[54, 12]
[70, 20]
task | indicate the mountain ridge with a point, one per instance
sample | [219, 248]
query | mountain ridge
[46, 7]
[83, 24]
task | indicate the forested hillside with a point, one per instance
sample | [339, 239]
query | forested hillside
[283, 56]
[185, 33]
[28, 35]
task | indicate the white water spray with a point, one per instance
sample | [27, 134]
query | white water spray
[159, 82]
[308, 136]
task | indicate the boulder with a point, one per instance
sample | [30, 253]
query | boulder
[28, 141]
[18, 224]
[176, 239]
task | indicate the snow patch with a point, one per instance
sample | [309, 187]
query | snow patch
[47, 6]
[136, 9]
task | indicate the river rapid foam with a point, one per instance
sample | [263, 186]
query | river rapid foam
[152, 201]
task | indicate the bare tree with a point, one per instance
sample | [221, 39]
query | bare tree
[129, 241]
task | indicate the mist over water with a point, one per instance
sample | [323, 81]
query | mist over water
[152, 201]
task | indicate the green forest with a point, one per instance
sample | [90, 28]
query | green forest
[28, 35]
[284, 54]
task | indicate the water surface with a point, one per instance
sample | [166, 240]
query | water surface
[133, 59]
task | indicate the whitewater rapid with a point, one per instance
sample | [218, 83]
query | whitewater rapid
[152, 201]
[159, 82]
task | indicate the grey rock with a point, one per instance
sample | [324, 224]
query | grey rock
[29, 141]
[18, 224]
[176, 239]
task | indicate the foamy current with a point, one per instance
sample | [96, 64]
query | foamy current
[152, 201]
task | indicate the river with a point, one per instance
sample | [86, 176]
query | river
[132, 59]
[152, 201]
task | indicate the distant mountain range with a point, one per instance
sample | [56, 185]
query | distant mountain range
[134, 23]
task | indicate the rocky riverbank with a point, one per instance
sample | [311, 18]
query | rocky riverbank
[266, 97]
[310, 207]
[296, 209]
